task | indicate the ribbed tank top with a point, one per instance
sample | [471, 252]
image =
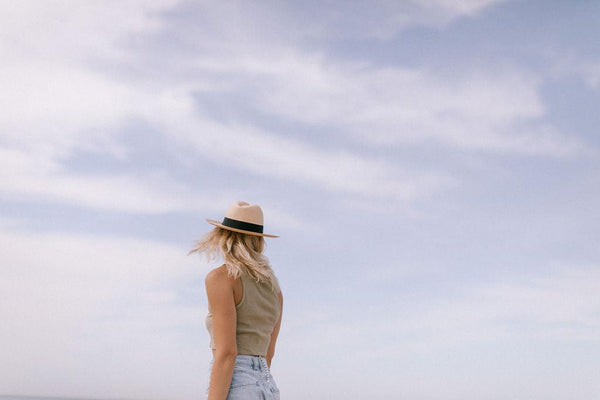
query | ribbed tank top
[256, 315]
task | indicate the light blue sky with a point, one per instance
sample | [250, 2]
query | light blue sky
[432, 168]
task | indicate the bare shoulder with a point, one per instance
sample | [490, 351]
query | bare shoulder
[217, 276]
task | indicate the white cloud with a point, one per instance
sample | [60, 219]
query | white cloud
[57, 105]
[288, 159]
[567, 64]
[477, 338]
[560, 305]
[110, 310]
[493, 108]
[54, 29]
[53, 97]
[499, 110]
[457, 7]
[379, 20]
[27, 176]
[60, 106]
[100, 316]
[63, 103]
[398, 16]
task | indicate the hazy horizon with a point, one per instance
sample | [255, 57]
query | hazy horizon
[34, 397]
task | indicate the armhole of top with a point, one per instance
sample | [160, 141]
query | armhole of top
[243, 293]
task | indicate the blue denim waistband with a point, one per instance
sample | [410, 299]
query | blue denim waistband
[257, 363]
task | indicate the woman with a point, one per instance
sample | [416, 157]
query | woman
[245, 307]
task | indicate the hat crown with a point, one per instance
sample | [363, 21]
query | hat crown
[244, 218]
[242, 211]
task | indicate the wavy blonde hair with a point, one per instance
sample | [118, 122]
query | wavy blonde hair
[241, 253]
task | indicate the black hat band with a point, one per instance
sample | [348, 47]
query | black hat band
[245, 226]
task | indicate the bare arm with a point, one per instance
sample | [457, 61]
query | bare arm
[275, 333]
[222, 306]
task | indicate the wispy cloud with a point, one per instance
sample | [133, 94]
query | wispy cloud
[587, 68]
[397, 16]
[67, 107]
[493, 108]
[479, 334]
[379, 20]
[30, 177]
[288, 159]
[123, 305]
[498, 111]
[71, 105]
[561, 305]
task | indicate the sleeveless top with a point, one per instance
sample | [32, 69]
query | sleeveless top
[256, 315]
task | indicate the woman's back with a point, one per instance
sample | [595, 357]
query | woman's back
[256, 315]
[244, 315]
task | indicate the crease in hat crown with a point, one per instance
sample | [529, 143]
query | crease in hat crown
[244, 218]
[245, 212]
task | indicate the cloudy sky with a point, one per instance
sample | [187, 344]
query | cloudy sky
[432, 167]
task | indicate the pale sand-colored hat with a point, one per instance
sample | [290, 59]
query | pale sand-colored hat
[244, 218]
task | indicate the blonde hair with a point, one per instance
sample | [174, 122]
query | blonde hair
[241, 253]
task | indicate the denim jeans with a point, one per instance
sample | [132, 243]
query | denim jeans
[252, 380]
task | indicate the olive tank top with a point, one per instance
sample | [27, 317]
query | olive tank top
[256, 315]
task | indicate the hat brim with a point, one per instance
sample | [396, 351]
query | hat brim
[220, 225]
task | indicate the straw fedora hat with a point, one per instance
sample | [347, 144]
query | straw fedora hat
[244, 218]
